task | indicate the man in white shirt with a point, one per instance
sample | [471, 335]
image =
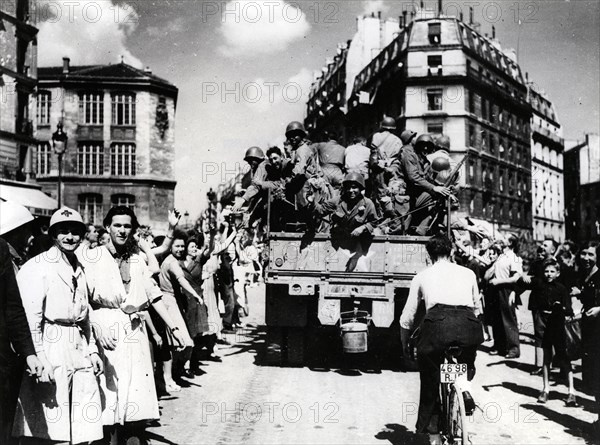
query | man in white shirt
[452, 302]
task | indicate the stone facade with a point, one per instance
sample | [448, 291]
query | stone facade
[438, 75]
[547, 147]
[18, 72]
[132, 162]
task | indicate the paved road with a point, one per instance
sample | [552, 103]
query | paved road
[242, 401]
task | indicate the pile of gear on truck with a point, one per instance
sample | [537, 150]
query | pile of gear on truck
[385, 184]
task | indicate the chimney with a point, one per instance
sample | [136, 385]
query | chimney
[66, 67]
[470, 15]
[148, 70]
[493, 32]
[439, 8]
[461, 16]
[379, 15]
[404, 21]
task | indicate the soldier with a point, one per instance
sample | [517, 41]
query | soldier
[331, 158]
[440, 160]
[268, 175]
[386, 172]
[422, 191]
[353, 220]
[303, 156]
[357, 157]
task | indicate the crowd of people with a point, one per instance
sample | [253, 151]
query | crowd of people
[98, 323]
[561, 278]
[390, 182]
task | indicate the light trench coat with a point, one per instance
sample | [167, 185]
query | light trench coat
[55, 298]
[127, 384]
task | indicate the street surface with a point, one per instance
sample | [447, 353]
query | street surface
[352, 402]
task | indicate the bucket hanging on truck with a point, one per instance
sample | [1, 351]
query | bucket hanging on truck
[354, 330]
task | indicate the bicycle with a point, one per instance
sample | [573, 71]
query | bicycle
[454, 414]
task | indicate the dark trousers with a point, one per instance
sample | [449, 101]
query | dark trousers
[506, 326]
[420, 220]
[10, 384]
[442, 327]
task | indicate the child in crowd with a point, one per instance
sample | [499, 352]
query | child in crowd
[551, 304]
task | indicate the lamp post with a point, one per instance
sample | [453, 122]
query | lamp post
[59, 143]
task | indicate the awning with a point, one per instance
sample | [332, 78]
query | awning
[32, 197]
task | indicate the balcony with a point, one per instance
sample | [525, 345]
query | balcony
[547, 134]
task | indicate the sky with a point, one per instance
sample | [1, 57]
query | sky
[244, 68]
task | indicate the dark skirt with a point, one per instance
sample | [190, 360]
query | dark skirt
[590, 336]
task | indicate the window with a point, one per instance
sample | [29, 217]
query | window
[43, 107]
[435, 64]
[44, 159]
[90, 159]
[484, 140]
[434, 99]
[90, 207]
[493, 144]
[436, 128]
[493, 113]
[123, 200]
[472, 137]
[123, 109]
[122, 159]
[91, 108]
[435, 33]
[471, 102]
[484, 109]
[501, 182]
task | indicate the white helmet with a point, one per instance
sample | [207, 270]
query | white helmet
[66, 215]
[12, 216]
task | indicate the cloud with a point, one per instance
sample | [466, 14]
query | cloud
[260, 27]
[173, 26]
[89, 32]
[374, 6]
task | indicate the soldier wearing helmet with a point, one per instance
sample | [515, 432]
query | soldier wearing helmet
[353, 220]
[386, 174]
[441, 163]
[421, 189]
[304, 161]
[58, 311]
[270, 174]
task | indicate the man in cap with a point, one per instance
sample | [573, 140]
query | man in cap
[386, 174]
[56, 300]
[16, 345]
[422, 191]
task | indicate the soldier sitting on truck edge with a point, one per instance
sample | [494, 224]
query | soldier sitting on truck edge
[386, 172]
[353, 220]
[422, 191]
[441, 163]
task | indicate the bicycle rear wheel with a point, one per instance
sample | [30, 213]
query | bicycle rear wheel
[457, 418]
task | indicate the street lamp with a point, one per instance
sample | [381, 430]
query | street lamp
[59, 143]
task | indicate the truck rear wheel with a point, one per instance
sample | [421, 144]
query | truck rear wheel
[274, 345]
[295, 346]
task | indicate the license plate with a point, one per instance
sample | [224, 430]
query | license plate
[449, 372]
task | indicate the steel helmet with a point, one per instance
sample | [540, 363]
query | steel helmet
[295, 126]
[440, 164]
[357, 178]
[66, 215]
[424, 139]
[443, 142]
[407, 136]
[254, 152]
[388, 123]
[12, 216]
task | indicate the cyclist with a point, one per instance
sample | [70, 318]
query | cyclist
[452, 302]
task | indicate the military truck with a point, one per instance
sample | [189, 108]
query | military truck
[308, 285]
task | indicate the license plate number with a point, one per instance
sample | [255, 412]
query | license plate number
[449, 372]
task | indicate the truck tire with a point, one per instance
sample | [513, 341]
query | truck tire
[274, 345]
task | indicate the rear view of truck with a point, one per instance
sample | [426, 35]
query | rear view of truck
[308, 284]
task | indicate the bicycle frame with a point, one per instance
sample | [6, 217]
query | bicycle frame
[454, 415]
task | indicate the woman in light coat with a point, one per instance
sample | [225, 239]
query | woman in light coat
[63, 405]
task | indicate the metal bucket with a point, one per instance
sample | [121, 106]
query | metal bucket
[354, 329]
